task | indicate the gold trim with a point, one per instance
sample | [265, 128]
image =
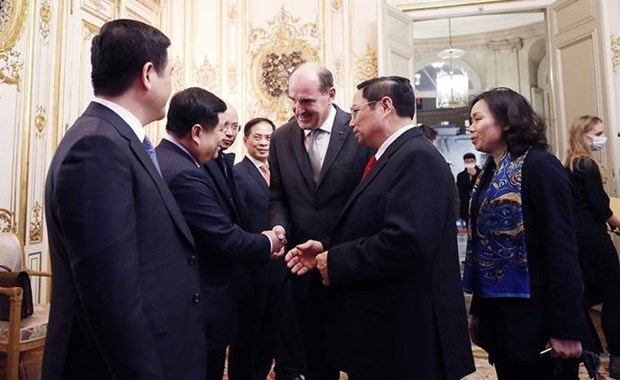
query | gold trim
[40, 121]
[178, 75]
[36, 224]
[45, 12]
[12, 19]
[7, 220]
[338, 71]
[615, 48]
[10, 67]
[337, 5]
[275, 52]
[420, 7]
[232, 79]
[367, 64]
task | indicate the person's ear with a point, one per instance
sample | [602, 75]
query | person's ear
[145, 75]
[195, 133]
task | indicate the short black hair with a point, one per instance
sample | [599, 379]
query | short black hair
[510, 109]
[397, 88]
[193, 106]
[120, 51]
[469, 156]
[247, 129]
[429, 132]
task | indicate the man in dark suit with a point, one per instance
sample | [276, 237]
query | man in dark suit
[315, 163]
[252, 352]
[465, 182]
[125, 287]
[195, 126]
[395, 305]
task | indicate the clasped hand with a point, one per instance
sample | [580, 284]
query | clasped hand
[277, 235]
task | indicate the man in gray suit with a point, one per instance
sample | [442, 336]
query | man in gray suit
[315, 163]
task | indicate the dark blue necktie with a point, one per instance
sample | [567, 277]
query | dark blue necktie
[151, 152]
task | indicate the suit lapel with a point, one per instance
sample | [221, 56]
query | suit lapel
[301, 155]
[340, 131]
[223, 188]
[142, 156]
[254, 172]
[381, 163]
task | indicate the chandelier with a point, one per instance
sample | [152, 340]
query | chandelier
[452, 81]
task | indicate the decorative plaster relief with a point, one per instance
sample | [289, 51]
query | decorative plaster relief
[275, 53]
[615, 48]
[45, 12]
[36, 224]
[506, 44]
[339, 71]
[10, 67]
[367, 64]
[232, 79]
[12, 19]
[337, 5]
[7, 220]
[206, 76]
[232, 13]
[40, 122]
[178, 75]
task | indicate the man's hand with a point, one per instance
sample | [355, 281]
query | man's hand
[278, 241]
[301, 259]
[321, 265]
[565, 349]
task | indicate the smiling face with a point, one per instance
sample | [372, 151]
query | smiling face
[310, 105]
[257, 142]
[366, 121]
[231, 127]
[486, 133]
[207, 141]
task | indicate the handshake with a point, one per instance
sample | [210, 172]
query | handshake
[277, 235]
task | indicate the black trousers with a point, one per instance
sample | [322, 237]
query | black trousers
[215, 364]
[543, 369]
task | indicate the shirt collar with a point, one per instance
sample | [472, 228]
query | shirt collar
[256, 162]
[173, 140]
[327, 124]
[126, 115]
[391, 139]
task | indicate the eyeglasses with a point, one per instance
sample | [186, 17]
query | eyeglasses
[232, 128]
[356, 109]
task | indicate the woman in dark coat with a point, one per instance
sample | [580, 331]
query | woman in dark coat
[597, 254]
[522, 264]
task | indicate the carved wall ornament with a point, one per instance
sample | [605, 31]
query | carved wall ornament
[45, 12]
[206, 76]
[337, 5]
[36, 224]
[367, 64]
[338, 71]
[12, 19]
[615, 48]
[232, 13]
[40, 121]
[7, 220]
[511, 44]
[275, 53]
[178, 75]
[10, 67]
[232, 79]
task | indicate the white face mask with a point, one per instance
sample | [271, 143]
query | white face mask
[470, 166]
[598, 142]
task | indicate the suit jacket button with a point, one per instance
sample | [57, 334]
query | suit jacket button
[191, 260]
[196, 298]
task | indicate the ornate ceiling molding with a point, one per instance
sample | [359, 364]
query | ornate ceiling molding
[275, 53]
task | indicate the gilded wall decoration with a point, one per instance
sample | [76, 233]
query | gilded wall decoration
[232, 13]
[36, 224]
[40, 122]
[337, 5]
[10, 66]
[178, 75]
[615, 48]
[45, 12]
[7, 220]
[338, 71]
[12, 19]
[367, 64]
[275, 53]
[232, 79]
[206, 76]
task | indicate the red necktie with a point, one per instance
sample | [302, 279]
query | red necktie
[371, 163]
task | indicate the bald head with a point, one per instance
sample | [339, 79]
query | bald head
[311, 91]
